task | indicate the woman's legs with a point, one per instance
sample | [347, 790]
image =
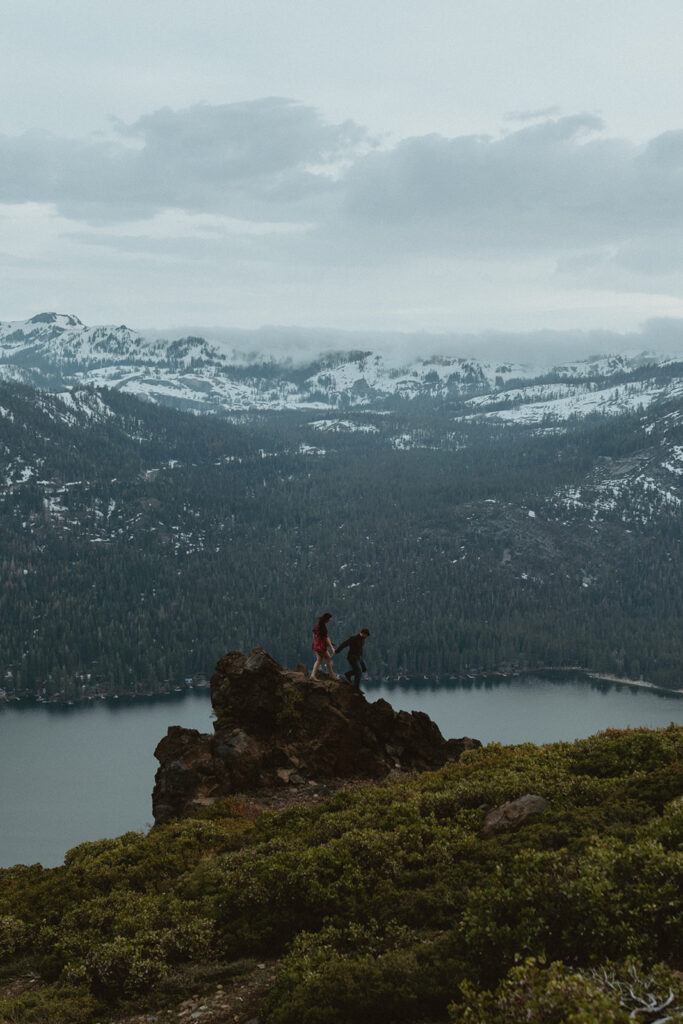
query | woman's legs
[328, 661]
[318, 659]
[331, 671]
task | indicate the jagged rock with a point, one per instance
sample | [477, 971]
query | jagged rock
[513, 814]
[276, 727]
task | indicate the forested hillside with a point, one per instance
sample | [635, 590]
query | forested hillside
[138, 543]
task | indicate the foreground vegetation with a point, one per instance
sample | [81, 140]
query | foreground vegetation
[384, 903]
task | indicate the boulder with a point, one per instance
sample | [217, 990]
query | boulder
[276, 728]
[512, 815]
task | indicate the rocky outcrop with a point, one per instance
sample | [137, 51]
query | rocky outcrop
[276, 728]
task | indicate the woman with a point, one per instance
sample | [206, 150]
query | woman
[321, 642]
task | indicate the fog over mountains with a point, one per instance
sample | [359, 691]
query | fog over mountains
[56, 351]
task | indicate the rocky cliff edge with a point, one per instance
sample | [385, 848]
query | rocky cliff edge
[277, 728]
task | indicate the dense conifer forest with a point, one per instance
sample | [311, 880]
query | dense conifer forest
[138, 543]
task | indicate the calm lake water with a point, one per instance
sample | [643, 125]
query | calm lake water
[70, 775]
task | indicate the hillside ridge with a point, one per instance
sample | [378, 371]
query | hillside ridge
[399, 901]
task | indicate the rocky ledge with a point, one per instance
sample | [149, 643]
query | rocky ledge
[277, 728]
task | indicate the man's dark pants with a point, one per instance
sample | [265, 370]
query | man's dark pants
[356, 671]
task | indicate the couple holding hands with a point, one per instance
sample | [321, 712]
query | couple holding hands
[323, 648]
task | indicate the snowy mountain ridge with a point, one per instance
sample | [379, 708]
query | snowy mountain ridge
[56, 352]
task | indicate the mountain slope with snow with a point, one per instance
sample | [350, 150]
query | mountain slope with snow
[56, 352]
[137, 538]
[637, 488]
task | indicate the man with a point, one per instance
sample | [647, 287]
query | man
[355, 656]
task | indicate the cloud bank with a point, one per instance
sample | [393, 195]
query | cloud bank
[544, 348]
[248, 160]
[270, 188]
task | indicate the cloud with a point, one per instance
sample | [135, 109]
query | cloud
[547, 348]
[551, 186]
[266, 159]
[532, 115]
[556, 213]
[548, 186]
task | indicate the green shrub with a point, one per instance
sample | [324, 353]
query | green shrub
[54, 1004]
[533, 994]
[618, 753]
[15, 936]
[125, 942]
[361, 973]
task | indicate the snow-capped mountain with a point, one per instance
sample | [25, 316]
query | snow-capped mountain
[638, 487]
[56, 352]
[538, 402]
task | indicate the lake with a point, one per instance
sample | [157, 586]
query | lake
[526, 708]
[76, 774]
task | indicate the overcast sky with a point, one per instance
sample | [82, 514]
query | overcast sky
[441, 166]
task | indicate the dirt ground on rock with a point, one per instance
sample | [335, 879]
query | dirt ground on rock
[235, 1002]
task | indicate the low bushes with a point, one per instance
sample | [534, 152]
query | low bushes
[384, 903]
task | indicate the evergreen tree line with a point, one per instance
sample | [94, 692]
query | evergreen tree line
[148, 542]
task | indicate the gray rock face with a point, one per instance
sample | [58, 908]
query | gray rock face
[275, 727]
[512, 815]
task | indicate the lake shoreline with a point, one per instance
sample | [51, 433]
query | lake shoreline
[564, 674]
[111, 700]
[605, 677]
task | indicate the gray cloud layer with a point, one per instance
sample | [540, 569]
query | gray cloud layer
[542, 348]
[265, 160]
[551, 185]
[560, 187]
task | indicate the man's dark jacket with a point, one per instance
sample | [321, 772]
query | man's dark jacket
[355, 646]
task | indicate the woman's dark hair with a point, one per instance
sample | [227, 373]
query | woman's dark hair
[321, 624]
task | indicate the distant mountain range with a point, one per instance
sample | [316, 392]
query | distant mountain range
[57, 352]
[480, 516]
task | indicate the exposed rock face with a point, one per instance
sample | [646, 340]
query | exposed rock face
[276, 727]
[513, 814]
